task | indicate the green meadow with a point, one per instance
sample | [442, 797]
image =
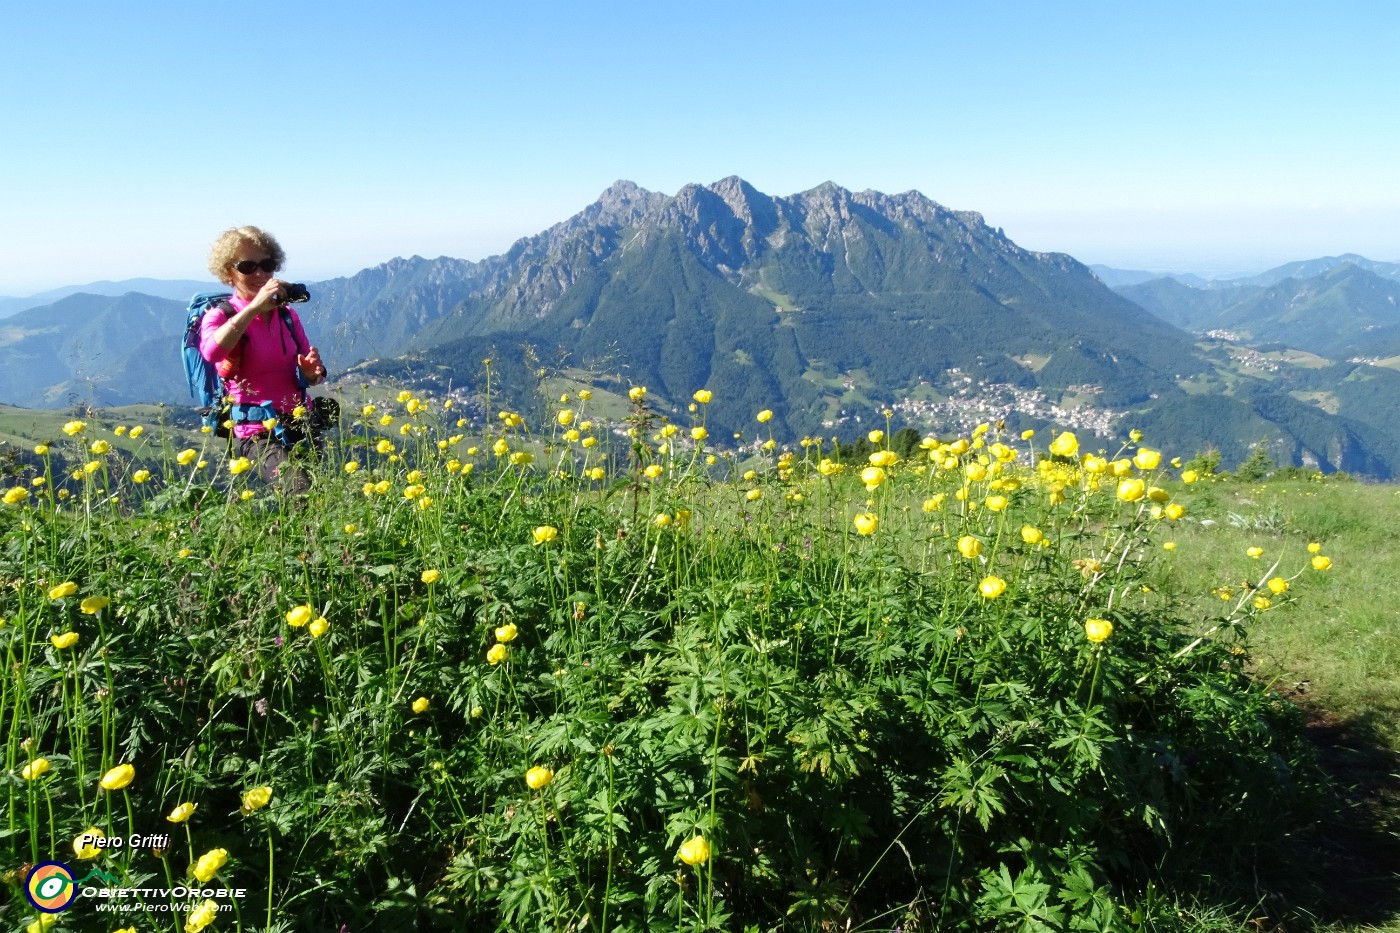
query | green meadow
[590, 670]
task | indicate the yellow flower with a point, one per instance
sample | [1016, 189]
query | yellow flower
[186, 456]
[866, 523]
[1278, 586]
[584, 394]
[430, 576]
[414, 491]
[385, 446]
[35, 769]
[1255, 552]
[420, 705]
[653, 471]
[1094, 465]
[1189, 476]
[637, 393]
[694, 851]
[699, 434]
[1314, 548]
[255, 799]
[545, 534]
[74, 427]
[589, 441]
[1131, 490]
[209, 864]
[1096, 630]
[875, 436]
[969, 546]
[500, 448]
[1157, 494]
[100, 447]
[351, 466]
[596, 473]
[884, 458]
[92, 605]
[299, 616]
[386, 419]
[992, 587]
[565, 417]
[141, 476]
[1031, 534]
[202, 916]
[83, 846]
[383, 486]
[92, 466]
[1147, 459]
[933, 503]
[181, 813]
[764, 416]
[351, 528]
[16, 495]
[976, 472]
[703, 396]
[662, 520]
[136, 431]
[118, 777]
[497, 653]
[69, 639]
[1066, 445]
[1121, 467]
[1262, 602]
[753, 495]
[41, 449]
[1174, 511]
[318, 627]
[506, 633]
[1321, 562]
[1169, 546]
[996, 503]
[538, 777]
[872, 477]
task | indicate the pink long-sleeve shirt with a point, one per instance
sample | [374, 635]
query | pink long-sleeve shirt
[266, 371]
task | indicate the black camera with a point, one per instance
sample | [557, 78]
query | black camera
[296, 292]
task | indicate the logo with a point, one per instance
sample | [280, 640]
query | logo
[50, 887]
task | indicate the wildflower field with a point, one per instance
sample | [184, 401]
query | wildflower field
[577, 675]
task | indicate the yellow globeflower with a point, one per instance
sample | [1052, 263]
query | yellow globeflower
[1189, 476]
[875, 436]
[35, 769]
[209, 864]
[136, 431]
[1066, 445]
[41, 449]
[969, 546]
[430, 576]
[299, 616]
[653, 471]
[74, 427]
[699, 434]
[63, 590]
[92, 605]
[118, 777]
[84, 844]
[203, 915]
[872, 477]
[1096, 630]
[753, 495]
[694, 851]
[100, 447]
[866, 523]
[1174, 511]
[186, 456]
[1157, 494]
[69, 639]
[497, 653]
[934, 503]
[1031, 534]
[16, 495]
[992, 587]
[703, 396]
[1121, 467]
[1278, 586]
[637, 393]
[507, 633]
[884, 458]
[1262, 602]
[1314, 548]
[240, 465]
[1321, 562]
[420, 705]
[256, 799]
[182, 812]
[976, 472]
[1094, 465]
[596, 473]
[318, 627]
[538, 777]
[1147, 459]
[1131, 490]
[662, 520]
[995, 503]
[764, 416]
[1255, 552]
[565, 417]
[141, 476]
[545, 534]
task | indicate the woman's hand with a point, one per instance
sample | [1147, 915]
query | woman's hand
[312, 367]
[268, 297]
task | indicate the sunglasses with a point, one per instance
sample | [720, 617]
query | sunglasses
[249, 266]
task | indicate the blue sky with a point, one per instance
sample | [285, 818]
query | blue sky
[1210, 137]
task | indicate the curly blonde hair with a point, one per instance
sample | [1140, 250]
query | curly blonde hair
[225, 251]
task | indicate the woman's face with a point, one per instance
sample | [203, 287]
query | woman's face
[247, 284]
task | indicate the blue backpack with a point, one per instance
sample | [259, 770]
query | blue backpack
[206, 387]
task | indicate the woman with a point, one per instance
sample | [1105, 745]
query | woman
[261, 350]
